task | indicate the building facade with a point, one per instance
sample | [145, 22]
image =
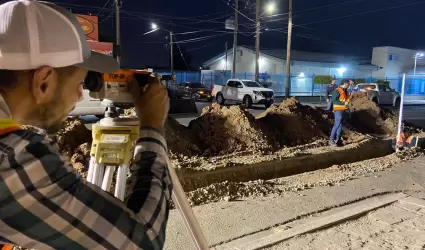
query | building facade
[302, 63]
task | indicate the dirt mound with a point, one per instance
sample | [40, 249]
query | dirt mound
[367, 117]
[224, 130]
[74, 141]
[292, 123]
[180, 140]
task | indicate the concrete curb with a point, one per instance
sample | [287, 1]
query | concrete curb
[274, 236]
[371, 148]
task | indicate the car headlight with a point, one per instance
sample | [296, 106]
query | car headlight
[258, 93]
[201, 92]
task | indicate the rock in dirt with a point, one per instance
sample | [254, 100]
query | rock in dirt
[224, 130]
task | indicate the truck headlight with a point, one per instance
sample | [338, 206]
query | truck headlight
[258, 93]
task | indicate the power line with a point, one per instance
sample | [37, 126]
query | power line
[181, 54]
[193, 40]
[242, 14]
[104, 6]
[140, 13]
[363, 13]
[111, 12]
[318, 7]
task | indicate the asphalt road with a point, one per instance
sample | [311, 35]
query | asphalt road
[412, 113]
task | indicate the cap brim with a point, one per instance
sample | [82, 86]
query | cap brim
[101, 63]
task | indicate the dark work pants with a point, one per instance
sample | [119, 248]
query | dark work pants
[337, 128]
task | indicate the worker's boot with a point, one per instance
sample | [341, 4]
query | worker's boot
[332, 143]
[339, 143]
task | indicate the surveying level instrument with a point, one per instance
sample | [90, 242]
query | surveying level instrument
[114, 138]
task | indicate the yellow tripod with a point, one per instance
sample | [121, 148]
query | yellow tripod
[113, 140]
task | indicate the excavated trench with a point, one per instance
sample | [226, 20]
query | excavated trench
[230, 145]
[306, 162]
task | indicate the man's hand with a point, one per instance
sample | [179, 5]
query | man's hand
[151, 103]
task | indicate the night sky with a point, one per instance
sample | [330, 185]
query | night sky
[338, 26]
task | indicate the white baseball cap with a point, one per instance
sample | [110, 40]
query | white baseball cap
[35, 34]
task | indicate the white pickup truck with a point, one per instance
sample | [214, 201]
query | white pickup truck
[247, 92]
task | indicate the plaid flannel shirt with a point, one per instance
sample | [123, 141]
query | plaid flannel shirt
[44, 204]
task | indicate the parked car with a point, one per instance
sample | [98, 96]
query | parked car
[247, 92]
[380, 93]
[195, 91]
[88, 106]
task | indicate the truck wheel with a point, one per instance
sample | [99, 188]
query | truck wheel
[247, 101]
[375, 100]
[397, 102]
[220, 99]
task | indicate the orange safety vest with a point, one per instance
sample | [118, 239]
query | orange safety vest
[402, 140]
[342, 98]
[8, 125]
[7, 247]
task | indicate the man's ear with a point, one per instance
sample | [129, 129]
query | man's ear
[43, 84]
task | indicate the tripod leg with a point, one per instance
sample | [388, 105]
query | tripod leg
[107, 179]
[186, 212]
[91, 170]
[121, 181]
[99, 169]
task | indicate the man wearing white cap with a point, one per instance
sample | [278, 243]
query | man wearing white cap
[44, 204]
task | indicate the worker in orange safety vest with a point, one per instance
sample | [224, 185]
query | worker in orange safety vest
[341, 111]
[403, 141]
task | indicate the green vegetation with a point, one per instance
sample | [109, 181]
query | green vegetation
[322, 79]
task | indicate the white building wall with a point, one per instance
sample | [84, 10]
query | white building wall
[394, 61]
[246, 63]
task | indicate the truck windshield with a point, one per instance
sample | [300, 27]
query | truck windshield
[252, 84]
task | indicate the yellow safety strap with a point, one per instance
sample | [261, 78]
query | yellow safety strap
[8, 125]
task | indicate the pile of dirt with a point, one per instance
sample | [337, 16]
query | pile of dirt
[367, 117]
[180, 140]
[292, 123]
[74, 141]
[224, 130]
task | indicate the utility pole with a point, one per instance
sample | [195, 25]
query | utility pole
[117, 20]
[288, 51]
[226, 55]
[172, 52]
[257, 42]
[235, 38]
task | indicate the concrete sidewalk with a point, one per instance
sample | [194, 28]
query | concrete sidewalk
[226, 221]
[400, 225]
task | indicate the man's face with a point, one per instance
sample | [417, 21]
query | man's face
[333, 82]
[56, 93]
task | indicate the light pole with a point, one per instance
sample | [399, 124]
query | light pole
[417, 55]
[154, 28]
[288, 51]
[270, 8]
[235, 38]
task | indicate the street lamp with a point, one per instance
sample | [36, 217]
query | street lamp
[271, 7]
[417, 55]
[154, 28]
